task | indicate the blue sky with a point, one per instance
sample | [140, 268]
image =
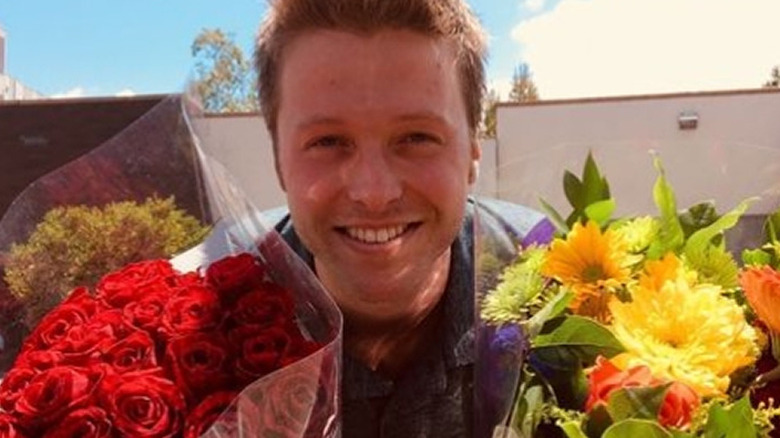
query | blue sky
[575, 48]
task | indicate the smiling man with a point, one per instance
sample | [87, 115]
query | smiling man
[373, 107]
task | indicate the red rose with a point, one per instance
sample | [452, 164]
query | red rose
[133, 353]
[679, 402]
[145, 313]
[143, 405]
[91, 422]
[233, 275]
[13, 385]
[56, 324]
[40, 360]
[269, 306]
[186, 280]
[211, 409]
[84, 343]
[82, 298]
[119, 288]
[9, 428]
[606, 377]
[200, 364]
[87, 343]
[54, 392]
[191, 310]
[259, 350]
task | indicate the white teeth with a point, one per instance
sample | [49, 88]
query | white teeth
[376, 235]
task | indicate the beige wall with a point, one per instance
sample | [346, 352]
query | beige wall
[242, 144]
[732, 154]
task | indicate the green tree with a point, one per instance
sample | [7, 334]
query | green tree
[523, 86]
[774, 81]
[489, 116]
[523, 90]
[225, 80]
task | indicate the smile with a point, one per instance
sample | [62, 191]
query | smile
[377, 235]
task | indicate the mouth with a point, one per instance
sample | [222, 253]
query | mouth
[378, 235]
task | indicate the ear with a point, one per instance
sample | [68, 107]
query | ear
[476, 154]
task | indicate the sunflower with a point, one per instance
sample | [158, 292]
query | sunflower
[683, 330]
[591, 264]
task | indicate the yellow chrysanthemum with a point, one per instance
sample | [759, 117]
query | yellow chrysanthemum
[682, 330]
[638, 233]
[591, 264]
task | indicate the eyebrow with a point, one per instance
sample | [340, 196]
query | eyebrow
[319, 119]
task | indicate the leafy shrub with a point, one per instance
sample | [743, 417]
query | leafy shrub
[76, 245]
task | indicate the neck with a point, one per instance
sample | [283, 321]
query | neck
[387, 334]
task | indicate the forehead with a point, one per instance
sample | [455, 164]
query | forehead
[386, 68]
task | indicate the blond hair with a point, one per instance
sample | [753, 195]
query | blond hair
[447, 20]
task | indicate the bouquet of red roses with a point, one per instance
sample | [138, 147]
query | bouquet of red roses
[234, 337]
[157, 353]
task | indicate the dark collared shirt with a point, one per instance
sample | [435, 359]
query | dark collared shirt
[434, 397]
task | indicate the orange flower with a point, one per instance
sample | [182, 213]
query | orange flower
[762, 289]
[678, 405]
[591, 264]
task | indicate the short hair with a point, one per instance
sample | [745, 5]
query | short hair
[448, 20]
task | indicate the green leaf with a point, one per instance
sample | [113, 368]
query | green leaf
[755, 257]
[701, 239]
[528, 410]
[572, 430]
[636, 428]
[595, 186]
[598, 421]
[567, 381]
[670, 234]
[736, 421]
[555, 217]
[697, 217]
[554, 308]
[600, 211]
[637, 402]
[572, 188]
[713, 262]
[574, 340]
[771, 226]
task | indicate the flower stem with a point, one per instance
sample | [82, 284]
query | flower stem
[769, 376]
[774, 373]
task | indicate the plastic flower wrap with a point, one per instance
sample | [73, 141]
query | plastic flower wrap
[631, 323]
[233, 337]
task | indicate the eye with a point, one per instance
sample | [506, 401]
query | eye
[327, 141]
[419, 138]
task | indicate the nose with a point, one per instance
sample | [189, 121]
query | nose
[372, 180]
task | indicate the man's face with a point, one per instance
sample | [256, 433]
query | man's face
[376, 157]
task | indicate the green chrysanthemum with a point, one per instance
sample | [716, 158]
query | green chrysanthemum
[520, 290]
[715, 266]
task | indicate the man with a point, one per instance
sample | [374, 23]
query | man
[373, 107]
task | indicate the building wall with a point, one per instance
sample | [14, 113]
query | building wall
[733, 153]
[241, 143]
[11, 89]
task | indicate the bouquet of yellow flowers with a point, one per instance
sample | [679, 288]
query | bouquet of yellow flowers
[641, 326]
